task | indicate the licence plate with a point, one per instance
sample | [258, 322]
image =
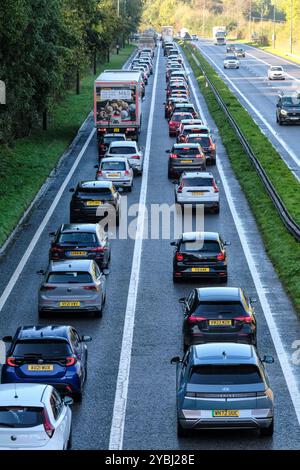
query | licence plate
[200, 270]
[69, 304]
[294, 118]
[78, 253]
[40, 367]
[113, 175]
[94, 203]
[220, 322]
[116, 129]
[197, 193]
[226, 413]
[186, 161]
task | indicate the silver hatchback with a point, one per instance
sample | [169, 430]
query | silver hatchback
[117, 170]
[72, 286]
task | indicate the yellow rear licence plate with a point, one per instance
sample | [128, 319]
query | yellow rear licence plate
[200, 270]
[197, 193]
[220, 322]
[113, 175]
[186, 161]
[94, 203]
[40, 367]
[226, 413]
[69, 304]
[78, 253]
[116, 129]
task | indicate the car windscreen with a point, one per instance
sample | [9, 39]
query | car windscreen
[45, 348]
[93, 191]
[203, 141]
[232, 308]
[230, 57]
[240, 374]
[186, 151]
[122, 150]
[69, 277]
[77, 238]
[279, 69]
[119, 166]
[197, 182]
[20, 416]
[291, 101]
[205, 246]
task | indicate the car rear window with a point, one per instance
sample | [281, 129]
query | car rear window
[77, 238]
[231, 57]
[44, 348]
[186, 151]
[108, 140]
[120, 166]
[240, 374]
[197, 182]
[291, 101]
[179, 117]
[122, 150]
[20, 416]
[95, 191]
[68, 277]
[233, 308]
[205, 246]
[203, 141]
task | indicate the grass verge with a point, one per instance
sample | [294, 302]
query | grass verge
[282, 248]
[24, 167]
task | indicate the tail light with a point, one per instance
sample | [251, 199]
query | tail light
[172, 124]
[90, 288]
[179, 256]
[99, 173]
[199, 155]
[173, 155]
[127, 172]
[221, 257]
[102, 146]
[179, 190]
[49, 428]
[55, 249]
[196, 319]
[216, 189]
[70, 361]
[244, 319]
[136, 157]
[45, 287]
[98, 249]
[212, 147]
[10, 361]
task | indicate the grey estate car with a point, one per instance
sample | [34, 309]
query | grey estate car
[223, 385]
[72, 286]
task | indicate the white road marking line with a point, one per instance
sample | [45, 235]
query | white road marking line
[14, 278]
[266, 308]
[259, 115]
[274, 56]
[268, 64]
[120, 403]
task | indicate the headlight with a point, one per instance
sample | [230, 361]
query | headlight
[283, 111]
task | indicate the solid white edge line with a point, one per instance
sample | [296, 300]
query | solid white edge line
[120, 403]
[14, 278]
[258, 114]
[280, 351]
[269, 65]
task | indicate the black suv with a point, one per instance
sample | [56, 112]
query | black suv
[288, 109]
[185, 157]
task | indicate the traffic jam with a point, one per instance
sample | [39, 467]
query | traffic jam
[221, 381]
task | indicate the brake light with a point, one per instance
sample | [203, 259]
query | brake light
[179, 256]
[98, 249]
[55, 249]
[136, 157]
[10, 361]
[99, 173]
[179, 190]
[172, 123]
[45, 287]
[70, 361]
[90, 288]
[102, 146]
[221, 257]
[196, 319]
[216, 189]
[49, 428]
[244, 319]
[173, 155]
[199, 155]
[212, 147]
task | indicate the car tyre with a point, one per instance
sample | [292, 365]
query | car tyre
[99, 313]
[224, 279]
[217, 210]
[267, 432]
[42, 314]
[129, 189]
[77, 396]
[170, 174]
[182, 432]
[176, 280]
[279, 121]
[69, 443]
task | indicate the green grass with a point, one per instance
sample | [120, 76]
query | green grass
[282, 248]
[24, 167]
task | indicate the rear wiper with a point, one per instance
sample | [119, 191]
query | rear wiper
[32, 355]
[7, 425]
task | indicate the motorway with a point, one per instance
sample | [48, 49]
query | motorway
[259, 95]
[129, 398]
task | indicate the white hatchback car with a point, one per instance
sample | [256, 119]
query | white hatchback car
[117, 170]
[34, 417]
[231, 62]
[198, 188]
[276, 72]
[130, 150]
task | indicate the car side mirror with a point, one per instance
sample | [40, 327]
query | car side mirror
[68, 401]
[71, 190]
[120, 190]
[7, 339]
[182, 300]
[268, 359]
[253, 300]
[96, 166]
[227, 243]
[164, 104]
[41, 272]
[51, 234]
[173, 243]
[175, 360]
[86, 339]
[167, 151]
[277, 105]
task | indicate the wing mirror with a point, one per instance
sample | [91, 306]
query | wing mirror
[182, 300]
[41, 272]
[227, 243]
[86, 339]
[175, 360]
[7, 339]
[72, 190]
[51, 234]
[173, 243]
[68, 401]
[268, 359]
[168, 151]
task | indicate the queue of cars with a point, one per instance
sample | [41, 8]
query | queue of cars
[221, 381]
[46, 366]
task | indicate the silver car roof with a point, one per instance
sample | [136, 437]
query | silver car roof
[224, 353]
[71, 265]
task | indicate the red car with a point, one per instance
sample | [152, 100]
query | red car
[175, 121]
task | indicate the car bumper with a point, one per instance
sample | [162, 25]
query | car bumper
[63, 385]
[203, 338]
[53, 307]
[85, 215]
[194, 203]
[291, 119]
[180, 169]
[226, 423]
[118, 183]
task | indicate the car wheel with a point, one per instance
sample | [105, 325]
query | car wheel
[77, 396]
[98, 313]
[42, 314]
[223, 280]
[170, 174]
[279, 121]
[176, 280]
[129, 189]
[69, 443]
[181, 432]
[267, 432]
[217, 210]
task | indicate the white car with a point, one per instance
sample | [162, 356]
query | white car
[231, 62]
[198, 187]
[117, 170]
[34, 417]
[276, 72]
[130, 150]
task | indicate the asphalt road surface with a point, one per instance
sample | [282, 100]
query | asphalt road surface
[135, 408]
[259, 95]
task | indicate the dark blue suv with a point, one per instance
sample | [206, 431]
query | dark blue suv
[54, 355]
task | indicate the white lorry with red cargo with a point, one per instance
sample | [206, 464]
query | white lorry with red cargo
[118, 103]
